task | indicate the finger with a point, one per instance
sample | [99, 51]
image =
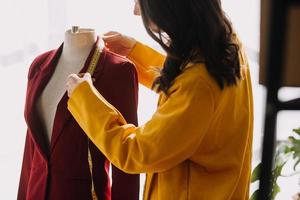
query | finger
[111, 38]
[80, 75]
[73, 76]
[110, 33]
[87, 75]
[68, 86]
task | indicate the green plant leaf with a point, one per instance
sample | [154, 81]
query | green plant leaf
[282, 155]
[296, 164]
[285, 151]
[295, 149]
[277, 171]
[256, 173]
[275, 191]
[297, 131]
[254, 195]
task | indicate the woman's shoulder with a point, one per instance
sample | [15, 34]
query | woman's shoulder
[193, 83]
[195, 75]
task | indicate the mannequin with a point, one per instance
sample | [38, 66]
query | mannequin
[56, 163]
[77, 46]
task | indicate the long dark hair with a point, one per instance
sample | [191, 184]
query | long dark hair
[192, 31]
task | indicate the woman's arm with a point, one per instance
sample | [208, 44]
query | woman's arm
[146, 60]
[170, 137]
[141, 55]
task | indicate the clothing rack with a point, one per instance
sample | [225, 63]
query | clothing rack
[274, 68]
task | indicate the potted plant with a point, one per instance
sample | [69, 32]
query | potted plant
[285, 151]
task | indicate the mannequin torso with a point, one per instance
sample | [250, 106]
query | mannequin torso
[62, 170]
[76, 49]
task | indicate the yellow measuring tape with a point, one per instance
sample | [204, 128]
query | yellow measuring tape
[91, 69]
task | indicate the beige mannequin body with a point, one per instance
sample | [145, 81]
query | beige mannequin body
[77, 46]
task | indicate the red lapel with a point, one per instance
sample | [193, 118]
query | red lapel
[36, 84]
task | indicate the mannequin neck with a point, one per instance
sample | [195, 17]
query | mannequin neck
[77, 46]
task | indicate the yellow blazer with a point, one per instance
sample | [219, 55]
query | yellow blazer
[197, 145]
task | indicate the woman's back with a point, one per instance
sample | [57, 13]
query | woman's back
[220, 166]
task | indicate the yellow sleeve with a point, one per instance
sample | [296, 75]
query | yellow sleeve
[145, 60]
[170, 137]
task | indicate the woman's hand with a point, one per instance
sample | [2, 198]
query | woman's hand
[74, 80]
[119, 43]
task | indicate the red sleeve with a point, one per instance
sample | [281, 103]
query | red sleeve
[26, 167]
[29, 145]
[37, 63]
[126, 186]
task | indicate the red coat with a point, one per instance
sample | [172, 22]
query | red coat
[61, 172]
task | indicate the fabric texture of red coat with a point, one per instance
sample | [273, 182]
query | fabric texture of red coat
[61, 171]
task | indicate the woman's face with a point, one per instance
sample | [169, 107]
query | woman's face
[137, 12]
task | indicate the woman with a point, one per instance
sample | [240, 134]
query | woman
[198, 143]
